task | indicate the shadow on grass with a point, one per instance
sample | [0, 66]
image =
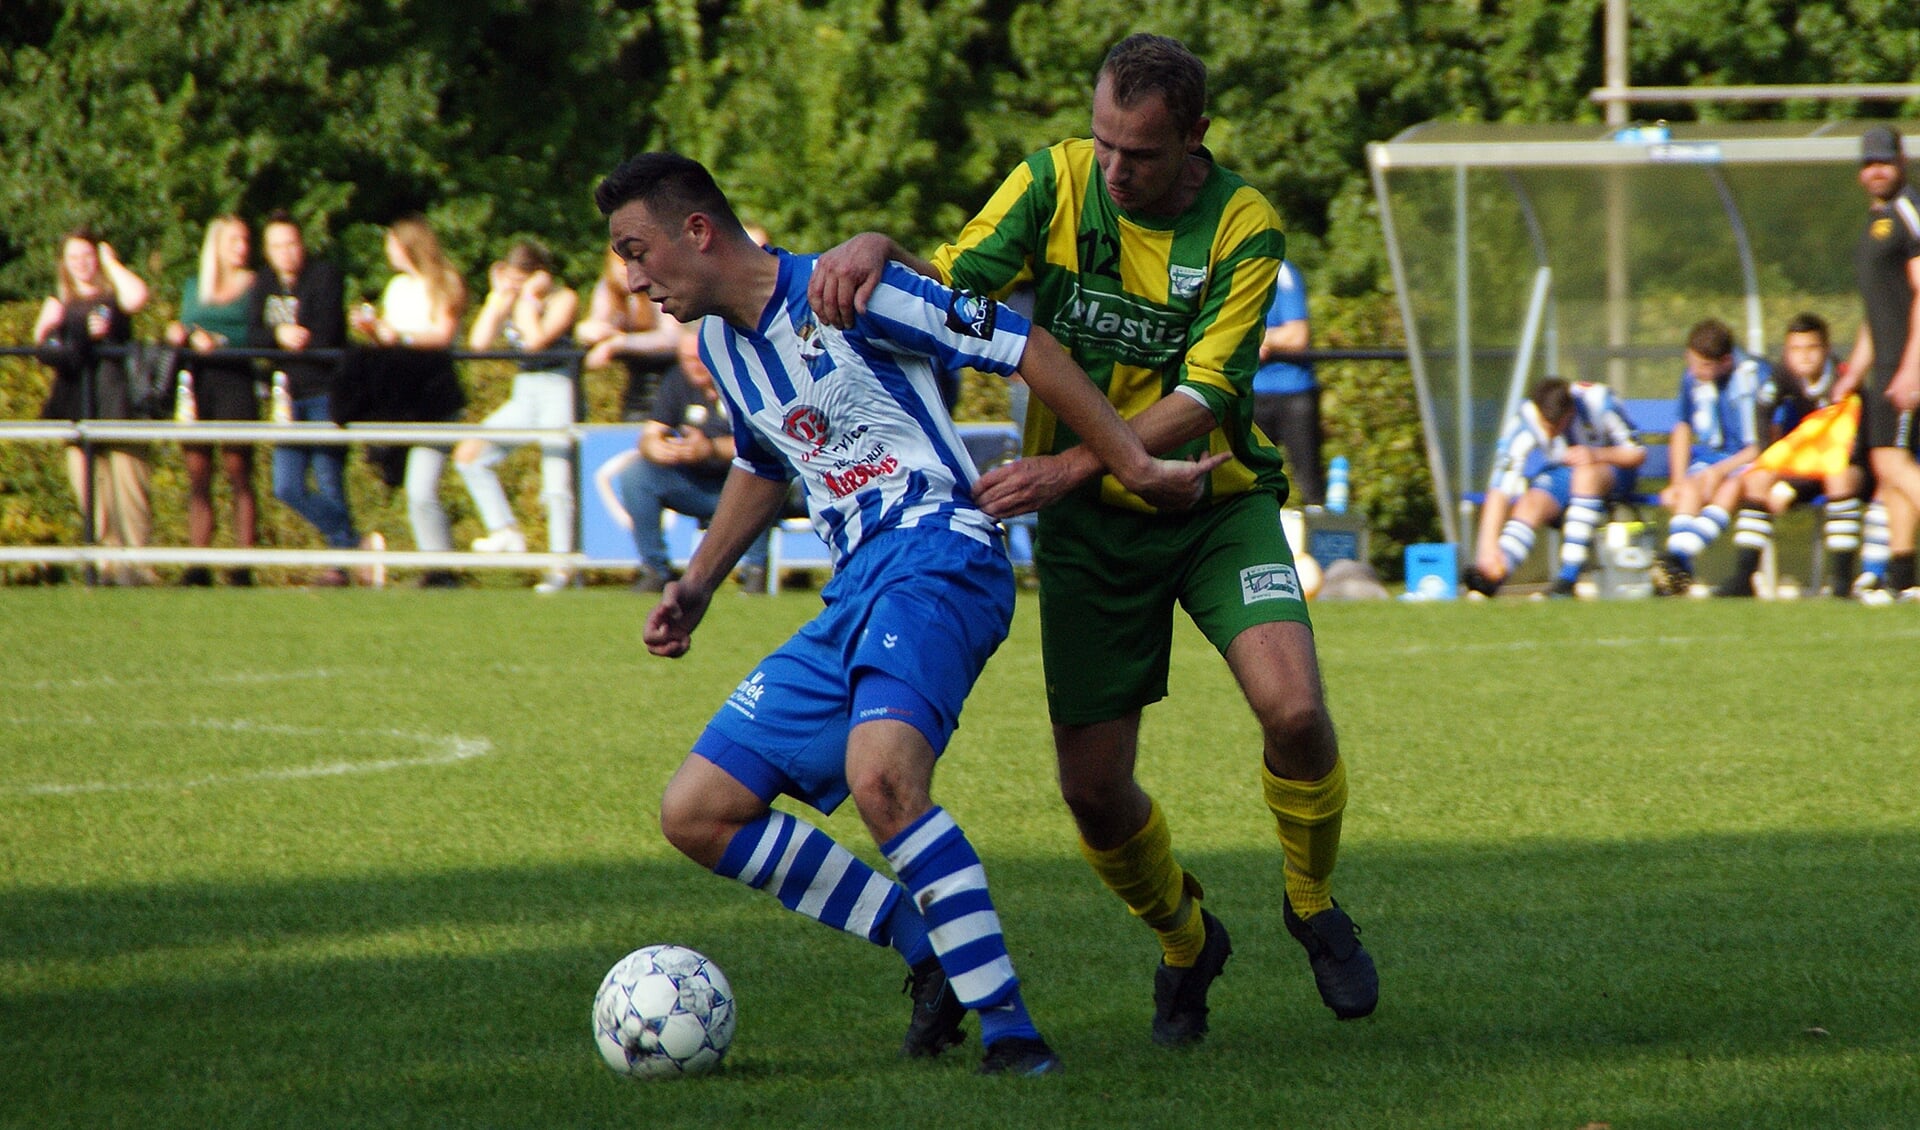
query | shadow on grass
[1738, 980]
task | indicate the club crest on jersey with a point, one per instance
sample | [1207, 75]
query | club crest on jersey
[1269, 582]
[1185, 282]
[971, 314]
[1881, 228]
[813, 345]
[807, 424]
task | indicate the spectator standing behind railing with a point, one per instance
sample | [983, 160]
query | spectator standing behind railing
[628, 327]
[531, 312]
[1286, 397]
[94, 302]
[213, 315]
[296, 305]
[420, 309]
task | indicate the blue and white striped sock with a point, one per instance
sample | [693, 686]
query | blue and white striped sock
[1689, 537]
[1584, 515]
[1843, 525]
[1516, 542]
[1680, 536]
[1753, 529]
[812, 875]
[1876, 543]
[941, 871]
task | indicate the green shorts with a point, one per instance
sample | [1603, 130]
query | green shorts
[1109, 579]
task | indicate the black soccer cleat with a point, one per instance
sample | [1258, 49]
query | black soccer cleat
[1342, 969]
[1670, 575]
[1019, 1055]
[1734, 587]
[1180, 995]
[937, 1012]
[1562, 589]
[1479, 582]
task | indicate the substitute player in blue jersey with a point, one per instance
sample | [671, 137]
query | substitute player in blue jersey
[1725, 397]
[1564, 454]
[864, 698]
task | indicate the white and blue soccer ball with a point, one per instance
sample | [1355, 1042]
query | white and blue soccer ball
[662, 1012]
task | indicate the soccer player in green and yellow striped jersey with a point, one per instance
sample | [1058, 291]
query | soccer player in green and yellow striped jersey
[1155, 267]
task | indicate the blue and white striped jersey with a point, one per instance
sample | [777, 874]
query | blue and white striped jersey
[856, 415]
[1730, 414]
[1526, 448]
[1599, 418]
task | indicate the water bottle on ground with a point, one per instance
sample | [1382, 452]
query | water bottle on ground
[282, 399]
[185, 408]
[1337, 487]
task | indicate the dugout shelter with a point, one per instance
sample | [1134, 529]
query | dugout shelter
[1587, 251]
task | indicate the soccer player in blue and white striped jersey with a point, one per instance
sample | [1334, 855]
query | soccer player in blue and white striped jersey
[862, 701]
[1725, 395]
[1563, 455]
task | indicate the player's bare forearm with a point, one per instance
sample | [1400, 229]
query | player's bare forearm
[748, 505]
[1493, 516]
[1679, 451]
[1064, 388]
[1625, 455]
[1904, 389]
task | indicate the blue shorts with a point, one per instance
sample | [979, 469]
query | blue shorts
[925, 607]
[1557, 481]
[1705, 457]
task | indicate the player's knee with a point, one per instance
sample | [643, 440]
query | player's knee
[1091, 796]
[692, 830]
[1297, 722]
[889, 798]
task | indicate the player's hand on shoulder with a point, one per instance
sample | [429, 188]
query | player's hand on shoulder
[844, 278]
[1176, 484]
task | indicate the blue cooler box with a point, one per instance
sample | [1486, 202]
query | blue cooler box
[1433, 572]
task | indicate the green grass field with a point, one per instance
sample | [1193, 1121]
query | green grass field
[278, 858]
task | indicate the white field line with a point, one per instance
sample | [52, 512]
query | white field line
[1549, 645]
[236, 678]
[443, 749]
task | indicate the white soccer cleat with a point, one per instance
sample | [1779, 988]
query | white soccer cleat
[504, 540]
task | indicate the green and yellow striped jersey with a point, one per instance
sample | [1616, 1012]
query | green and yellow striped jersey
[1145, 306]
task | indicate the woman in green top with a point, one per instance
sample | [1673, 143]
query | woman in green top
[213, 315]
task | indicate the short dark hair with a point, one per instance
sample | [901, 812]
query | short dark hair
[672, 187]
[280, 216]
[1810, 323]
[1553, 396]
[530, 255]
[1144, 64]
[1711, 338]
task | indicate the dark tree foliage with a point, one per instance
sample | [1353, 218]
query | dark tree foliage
[495, 117]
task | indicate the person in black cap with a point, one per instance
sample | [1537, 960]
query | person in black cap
[1885, 366]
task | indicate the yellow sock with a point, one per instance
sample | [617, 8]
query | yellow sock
[1308, 813]
[1155, 888]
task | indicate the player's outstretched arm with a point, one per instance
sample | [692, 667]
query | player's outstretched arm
[844, 277]
[1060, 384]
[748, 505]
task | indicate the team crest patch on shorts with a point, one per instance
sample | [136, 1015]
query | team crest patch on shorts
[1269, 582]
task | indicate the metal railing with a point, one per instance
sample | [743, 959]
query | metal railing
[85, 434]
